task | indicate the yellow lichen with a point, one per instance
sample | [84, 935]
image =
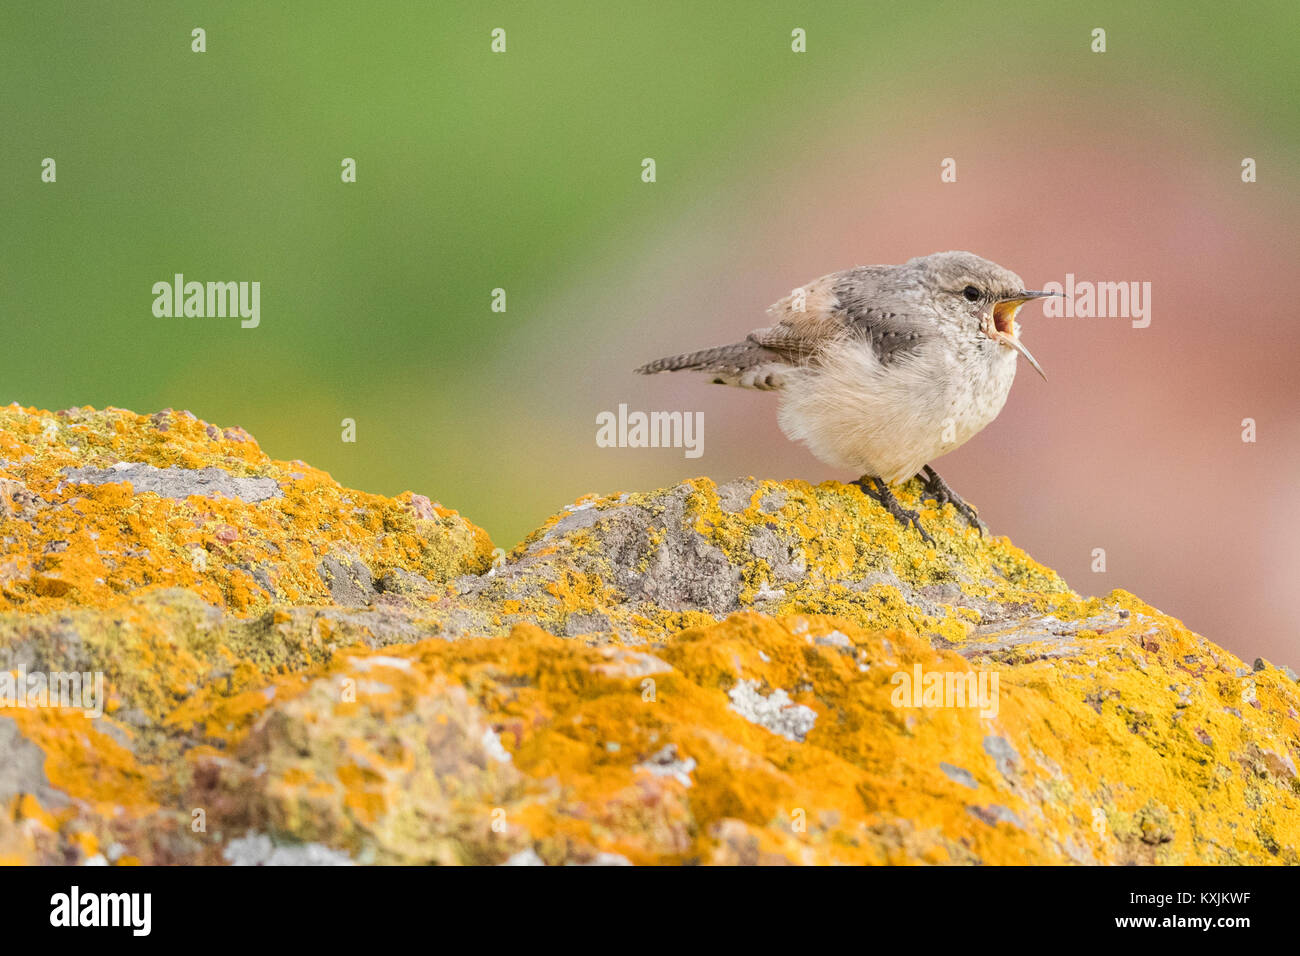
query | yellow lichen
[457, 728]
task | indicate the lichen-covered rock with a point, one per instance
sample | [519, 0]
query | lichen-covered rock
[755, 673]
[99, 506]
[647, 564]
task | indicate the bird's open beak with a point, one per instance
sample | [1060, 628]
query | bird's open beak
[1004, 324]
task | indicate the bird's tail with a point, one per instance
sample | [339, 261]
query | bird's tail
[746, 364]
[724, 358]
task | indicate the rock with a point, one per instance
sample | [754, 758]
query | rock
[651, 564]
[777, 712]
[666, 763]
[348, 580]
[176, 482]
[753, 673]
[403, 582]
[959, 774]
[258, 850]
[137, 504]
[1004, 756]
[22, 769]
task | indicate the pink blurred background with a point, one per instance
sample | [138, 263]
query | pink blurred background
[1135, 445]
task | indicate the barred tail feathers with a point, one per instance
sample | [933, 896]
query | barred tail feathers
[746, 364]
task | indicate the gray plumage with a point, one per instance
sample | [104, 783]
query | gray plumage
[882, 368]
[728, 358]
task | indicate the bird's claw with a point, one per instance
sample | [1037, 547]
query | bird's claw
[879, 492]
[937, 490]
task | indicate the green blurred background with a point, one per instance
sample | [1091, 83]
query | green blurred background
[522, 171]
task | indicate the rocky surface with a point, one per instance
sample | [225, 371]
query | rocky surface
[99, 506]
[758, 672]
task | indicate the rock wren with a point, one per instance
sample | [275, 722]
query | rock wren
[882, 368]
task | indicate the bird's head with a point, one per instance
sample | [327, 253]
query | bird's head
[977, 293]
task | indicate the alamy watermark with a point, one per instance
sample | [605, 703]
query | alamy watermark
[974, 689]
[208, 300]
[624, 429]
[82, 691]
[1101, 300]
[133, 911]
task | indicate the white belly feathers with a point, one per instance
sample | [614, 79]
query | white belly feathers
[887, 421]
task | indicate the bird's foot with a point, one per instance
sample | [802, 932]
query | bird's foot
[878, 491]
[937, 489]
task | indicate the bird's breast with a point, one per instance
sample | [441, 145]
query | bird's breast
[890, 418]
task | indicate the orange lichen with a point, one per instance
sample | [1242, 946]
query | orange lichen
[93, 545]
[736, 686]
[1086, 784]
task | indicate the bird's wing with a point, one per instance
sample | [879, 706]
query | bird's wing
[837, 307]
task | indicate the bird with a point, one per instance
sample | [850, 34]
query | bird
[881, 369]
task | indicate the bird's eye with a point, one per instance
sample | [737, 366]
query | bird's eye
[971, 293]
